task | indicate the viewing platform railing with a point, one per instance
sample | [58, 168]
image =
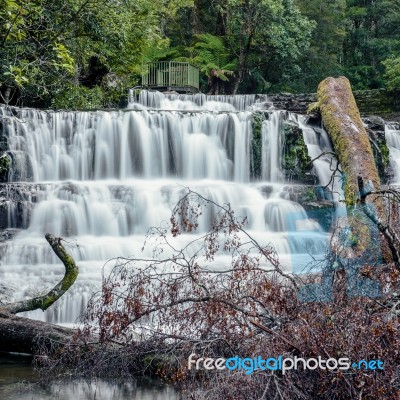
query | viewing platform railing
[171, 75]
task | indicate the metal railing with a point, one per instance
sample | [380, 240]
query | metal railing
[170, 74]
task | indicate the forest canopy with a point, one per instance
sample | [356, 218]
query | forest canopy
[87, 53]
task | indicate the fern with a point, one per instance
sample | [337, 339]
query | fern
[160, 52]
[211, 56]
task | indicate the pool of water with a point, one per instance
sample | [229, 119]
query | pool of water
[18, 381]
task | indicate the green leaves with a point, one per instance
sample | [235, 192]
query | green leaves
[372, 37]
[15, 74]
[211, 55]
[392, 73]
[63, 58]
[46, 45]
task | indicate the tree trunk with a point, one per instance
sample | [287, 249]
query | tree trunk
[350, 140]
[7, 94]
[342, 120]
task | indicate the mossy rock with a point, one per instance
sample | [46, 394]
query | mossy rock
[296, 163]
[5, 165]
[3, 137]
[257, 121]
[381, 154]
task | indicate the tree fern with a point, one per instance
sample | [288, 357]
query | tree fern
[210, 54]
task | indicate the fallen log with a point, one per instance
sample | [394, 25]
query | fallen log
[342, 120]
[23, 335]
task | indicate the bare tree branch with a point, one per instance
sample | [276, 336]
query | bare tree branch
[45, 301]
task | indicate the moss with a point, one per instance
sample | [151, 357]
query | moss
[71, 273]
[257, 121]
[308, 195]
[381, 155]
[5, 165]
[296, 163]
[313, 108]
[384, 153]
[341, 116]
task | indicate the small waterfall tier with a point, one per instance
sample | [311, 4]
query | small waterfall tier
[199, 101]
[101, 179]
[392, 136]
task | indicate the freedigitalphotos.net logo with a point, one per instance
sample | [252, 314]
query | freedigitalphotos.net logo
[249, 365]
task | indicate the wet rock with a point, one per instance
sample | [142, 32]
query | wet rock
[8, 234]
[296, 163]
[375, 127]
[297, 103]
[5, 165]
[267, 190]
[310, 195]
[16, 204]
[6, 293]
[374, 122]
[315, 201]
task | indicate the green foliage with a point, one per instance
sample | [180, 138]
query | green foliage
[392, 73]
[63, 58]
[323, 57]
[264, 36]
[364, 77]
[372, 36]
[79, 97]
[46, 45]
[239, 45]
[211, 55]
[160, 52]
[257, 121]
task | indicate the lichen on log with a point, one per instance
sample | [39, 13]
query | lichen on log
[342, 120]
[45, 301]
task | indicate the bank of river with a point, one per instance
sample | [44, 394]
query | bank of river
[18, 381]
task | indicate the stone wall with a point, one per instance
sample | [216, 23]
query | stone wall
[297, 103]
[370, 102]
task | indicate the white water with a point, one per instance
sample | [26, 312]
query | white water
[272, 139]
[321, 151]
[200, 101]
[103, 178]
[392, 135]
[125, 144]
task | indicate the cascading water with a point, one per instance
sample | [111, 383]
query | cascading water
[101, 179]
[392, 135]
[200, 101]
[272, 140]
[321, 152]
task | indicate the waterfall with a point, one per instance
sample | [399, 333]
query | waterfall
[392, 135]
[321, 152]
[124, 144]
[101, 179]
[200, 101]
[272, 140]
